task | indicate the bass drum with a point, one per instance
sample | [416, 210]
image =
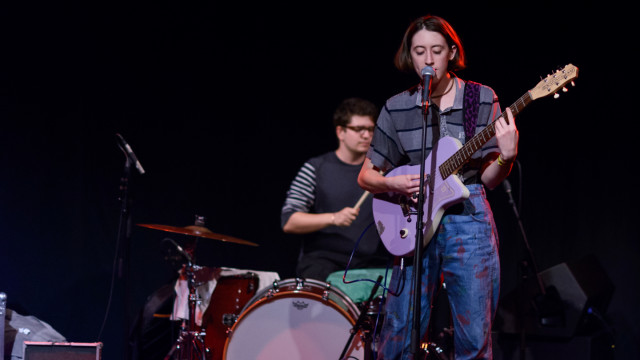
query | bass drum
[228, 299]
[296, 319]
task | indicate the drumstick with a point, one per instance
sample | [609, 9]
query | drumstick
[362, 198]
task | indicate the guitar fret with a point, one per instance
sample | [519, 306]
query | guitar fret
[446, 169]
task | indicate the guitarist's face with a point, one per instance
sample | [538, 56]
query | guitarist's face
[430, 48]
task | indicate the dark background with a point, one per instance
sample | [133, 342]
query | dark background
[223, 103]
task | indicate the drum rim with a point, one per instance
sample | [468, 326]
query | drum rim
[353, 307]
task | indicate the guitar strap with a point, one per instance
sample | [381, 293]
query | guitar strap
[470, 106]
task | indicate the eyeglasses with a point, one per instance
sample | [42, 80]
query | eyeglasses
[361, 129]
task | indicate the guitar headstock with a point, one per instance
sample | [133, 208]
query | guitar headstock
[554, 82]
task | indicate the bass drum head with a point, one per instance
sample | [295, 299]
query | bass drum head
[295, 319]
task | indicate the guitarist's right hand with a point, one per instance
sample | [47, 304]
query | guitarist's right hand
[372, 180]
[404, 184]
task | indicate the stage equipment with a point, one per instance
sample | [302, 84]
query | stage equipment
[295, 319]
[198, 231]
[228, 299]
[45, 350]
[190, 344]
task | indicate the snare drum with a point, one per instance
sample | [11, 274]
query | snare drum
[296, 319]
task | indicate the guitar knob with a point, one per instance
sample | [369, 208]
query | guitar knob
[556, 95]
[564, 89]
[404, 233]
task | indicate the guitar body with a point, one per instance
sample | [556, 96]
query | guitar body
[396, 215]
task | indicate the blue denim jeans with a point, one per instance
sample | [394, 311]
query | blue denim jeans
[464, 252]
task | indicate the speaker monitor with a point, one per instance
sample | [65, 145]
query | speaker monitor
[43, 350]
[580, 287]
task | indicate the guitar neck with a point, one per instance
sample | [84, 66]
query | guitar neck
[455, 162]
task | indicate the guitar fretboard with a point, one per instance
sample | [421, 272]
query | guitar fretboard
[455, 162]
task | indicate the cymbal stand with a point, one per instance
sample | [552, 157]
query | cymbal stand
[190, 343]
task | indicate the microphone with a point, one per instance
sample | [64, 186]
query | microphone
[179, 248]
[129, 152]
[507, 186]
[427, 75]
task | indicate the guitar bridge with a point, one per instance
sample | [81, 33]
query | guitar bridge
[407, 207]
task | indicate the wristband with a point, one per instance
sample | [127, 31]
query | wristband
[501, 161]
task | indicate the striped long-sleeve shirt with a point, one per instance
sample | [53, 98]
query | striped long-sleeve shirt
[324, 184]
[398, 136]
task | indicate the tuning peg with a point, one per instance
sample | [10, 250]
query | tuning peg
[564, 89]
[573, 83]
[556, 95]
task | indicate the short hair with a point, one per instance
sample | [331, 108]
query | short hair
[403, 61]
[354, 106]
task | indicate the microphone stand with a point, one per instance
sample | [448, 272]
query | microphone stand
[417, 257]
[547, 300]
[124, 238]
[507, 186]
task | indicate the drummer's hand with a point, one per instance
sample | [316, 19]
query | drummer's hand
[345, 216]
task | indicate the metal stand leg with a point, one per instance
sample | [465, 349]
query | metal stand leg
[190, 344]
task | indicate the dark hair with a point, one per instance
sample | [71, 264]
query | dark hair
[354, 106]
[432, 23]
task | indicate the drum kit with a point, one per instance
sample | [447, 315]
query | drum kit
[287, 319]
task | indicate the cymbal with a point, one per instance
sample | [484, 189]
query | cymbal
[199, 231]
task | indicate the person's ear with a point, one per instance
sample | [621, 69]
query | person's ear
[340, 130]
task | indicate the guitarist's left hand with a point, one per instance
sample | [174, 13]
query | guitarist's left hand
[507, 137]
[497, 169]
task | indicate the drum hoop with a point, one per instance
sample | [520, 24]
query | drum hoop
[351, 306]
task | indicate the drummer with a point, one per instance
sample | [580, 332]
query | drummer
[323, 203]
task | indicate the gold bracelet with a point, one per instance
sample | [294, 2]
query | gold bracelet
[333, 218]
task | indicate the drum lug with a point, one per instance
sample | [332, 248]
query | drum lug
[229, 319]
[325, 293]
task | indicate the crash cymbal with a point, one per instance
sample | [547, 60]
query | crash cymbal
[199, 231]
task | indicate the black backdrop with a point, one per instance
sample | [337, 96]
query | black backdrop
[223, 103]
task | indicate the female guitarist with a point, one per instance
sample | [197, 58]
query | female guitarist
[463, 247]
